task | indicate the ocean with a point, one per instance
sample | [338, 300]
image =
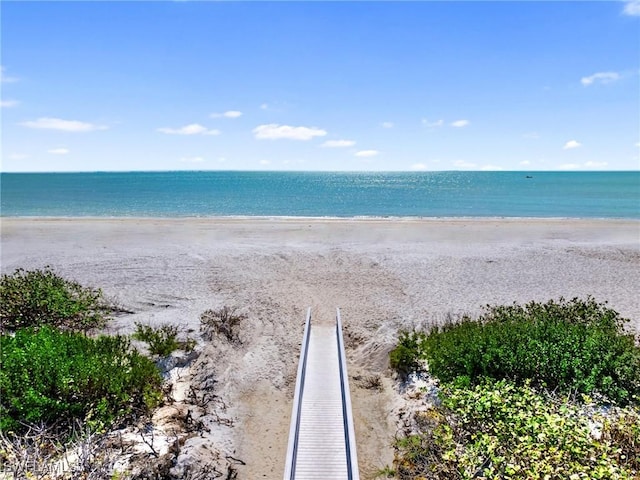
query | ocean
[322, 194]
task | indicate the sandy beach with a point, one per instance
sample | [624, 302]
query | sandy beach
[385, 275]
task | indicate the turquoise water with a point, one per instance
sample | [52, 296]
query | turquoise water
[314, 194]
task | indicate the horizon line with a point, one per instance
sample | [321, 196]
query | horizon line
[318, 171]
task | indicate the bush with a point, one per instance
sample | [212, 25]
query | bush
[407, 356]
[162, 340]
[51, 376]
[224, 321]
[42, 297]
[568, 345]
[499, 430]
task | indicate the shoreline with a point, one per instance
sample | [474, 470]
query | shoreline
[440, 235]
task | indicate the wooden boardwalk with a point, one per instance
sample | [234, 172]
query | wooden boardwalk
[321, 438]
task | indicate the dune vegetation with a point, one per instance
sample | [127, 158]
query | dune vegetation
[51, 372]
[540, 391]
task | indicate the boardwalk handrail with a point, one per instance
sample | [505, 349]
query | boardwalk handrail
[292, 448]
[349, 432]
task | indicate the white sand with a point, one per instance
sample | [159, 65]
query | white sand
[384, 275]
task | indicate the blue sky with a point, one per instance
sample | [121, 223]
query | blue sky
[90, 86]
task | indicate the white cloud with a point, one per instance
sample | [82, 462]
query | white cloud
[638, 144]
[18, 156]
[192, 159]
[460, 123]
[592, 164]
[491, 168]
[463, 164]
[265, 162]
[600, 77]
[63, 125]
[191, 129]
[531, 135]
[264, 106]
[418, 166]
[437, 123]
[367, 153]
[579, 166]
[387, 124]
[58, 151]
[227, 114]
[5, 79]
[524, 163]
[273, 131]
[632, 7]
[569, 166]
[8, 103]
[571, 144]
[338, 143]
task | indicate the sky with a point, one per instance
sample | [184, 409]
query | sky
[355, 86]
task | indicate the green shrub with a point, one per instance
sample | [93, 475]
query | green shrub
[499, 430]
[162, 340]
[407, 356]
[568, 345]
[42, 297]
[50, 376]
